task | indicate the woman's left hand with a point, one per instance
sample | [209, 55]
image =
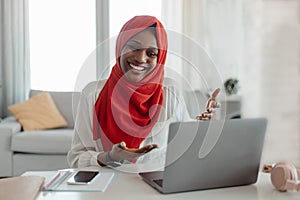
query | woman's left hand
[141, 151]
[211, 106]
[120, 152]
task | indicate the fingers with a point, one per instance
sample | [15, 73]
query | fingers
[205, 116]
[150, 147]
[215, 93]
[211, 106]
[144, 149]
[212, 103]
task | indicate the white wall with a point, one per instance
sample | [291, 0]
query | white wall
[280, 85]
[270, 78]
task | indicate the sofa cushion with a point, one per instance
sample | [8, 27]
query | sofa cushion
[37, 113]
[56, 141]
[65, 102]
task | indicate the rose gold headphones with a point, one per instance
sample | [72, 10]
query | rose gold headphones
[284, 176]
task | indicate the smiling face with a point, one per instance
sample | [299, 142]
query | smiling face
[139, 55]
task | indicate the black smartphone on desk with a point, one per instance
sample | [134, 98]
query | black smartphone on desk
[82, 177]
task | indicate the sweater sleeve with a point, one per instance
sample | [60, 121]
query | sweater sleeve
[182, 113]
[177, 105]
[84, 149]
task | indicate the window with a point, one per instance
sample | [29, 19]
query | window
[62, 35]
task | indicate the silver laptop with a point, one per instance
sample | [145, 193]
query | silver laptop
[210, 154]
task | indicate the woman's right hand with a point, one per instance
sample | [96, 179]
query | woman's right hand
[211, 106]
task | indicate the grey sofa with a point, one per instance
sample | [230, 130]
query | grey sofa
[21, 151]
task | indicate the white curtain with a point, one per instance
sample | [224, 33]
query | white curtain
[14, 49]
[102, 37]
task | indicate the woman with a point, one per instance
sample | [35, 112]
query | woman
[126, 116]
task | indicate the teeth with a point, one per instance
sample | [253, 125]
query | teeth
[137, 67]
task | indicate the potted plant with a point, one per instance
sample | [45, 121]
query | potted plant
[231, 86]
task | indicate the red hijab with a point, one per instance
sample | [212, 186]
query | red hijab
[125, 110]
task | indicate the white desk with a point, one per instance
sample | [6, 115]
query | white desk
[131, 186]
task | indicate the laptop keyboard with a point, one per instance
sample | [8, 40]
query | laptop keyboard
[158, 182]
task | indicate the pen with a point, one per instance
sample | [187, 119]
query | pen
[54, 178]
[62, 177]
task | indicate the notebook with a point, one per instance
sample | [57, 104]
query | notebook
[210, 154]
[20, 187]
